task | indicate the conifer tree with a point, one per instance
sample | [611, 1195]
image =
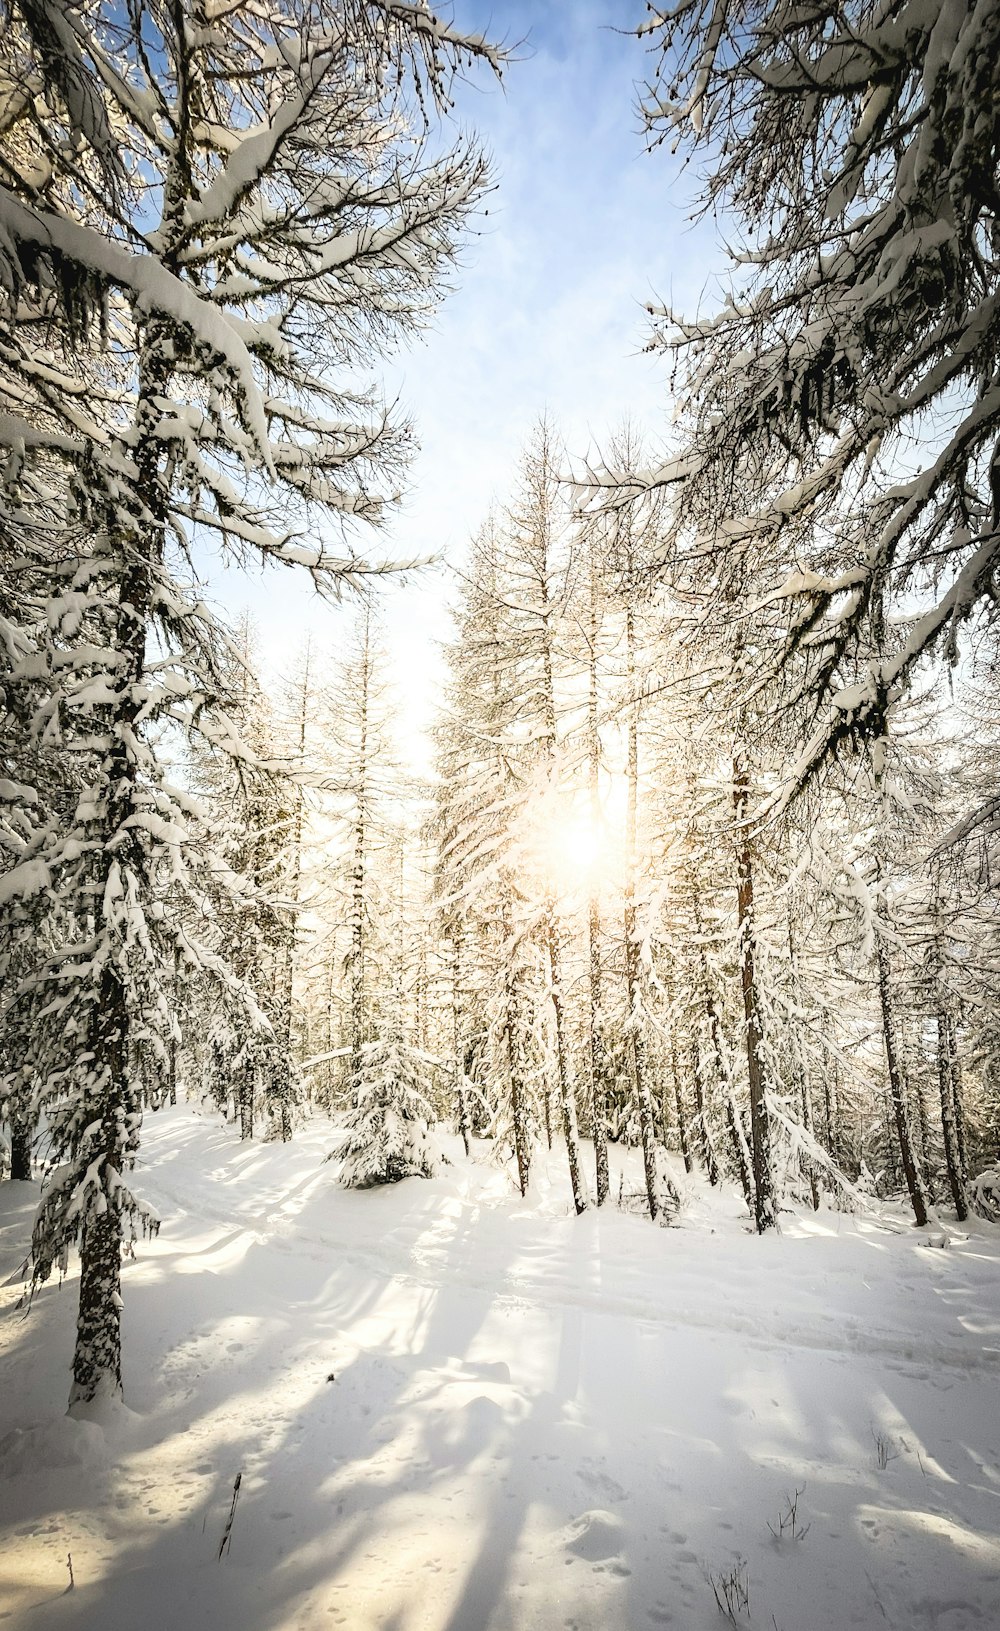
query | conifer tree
[857, 149]
[480, 796]
[219, 224]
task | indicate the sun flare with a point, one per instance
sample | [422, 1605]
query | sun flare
[577, 850]
[582, 844]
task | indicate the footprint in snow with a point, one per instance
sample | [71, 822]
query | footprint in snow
[484, 1371]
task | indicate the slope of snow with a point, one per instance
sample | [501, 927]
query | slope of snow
[456, 1411]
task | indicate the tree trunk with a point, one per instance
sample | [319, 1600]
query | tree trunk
[598, 1062]
[955, 1069]
[565, 1086]
[740, 1150]
[682, 1126]
[112, 1091]
[598, 1052]
[458, 1043]
[764, 1213]
[723, 1072]
[245, 1097]
[20, 1145]
[897, 1088]
[831, 1110]
[807, 1122]
[800, 1066]
[174, 1035]
[97, 1363]
[97, 1354]
[633, 983]
[515, 1064]
[284, 1093]
[356, 956]
[918, 1095]
[946, 1086]
[708, 1154]
[637, 1051]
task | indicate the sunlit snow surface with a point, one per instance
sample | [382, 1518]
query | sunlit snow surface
[454, 1411]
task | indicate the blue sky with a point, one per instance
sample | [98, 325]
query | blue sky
[583, 228]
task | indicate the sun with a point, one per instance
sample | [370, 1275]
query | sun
[581, 844]
[574, 849]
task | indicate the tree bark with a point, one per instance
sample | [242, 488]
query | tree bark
[564, 1083]
[114, 1092]
[955, 1070]
[946, 1087]
[764, 1213]
[356, 956]
[598, 1051]
[458, 1041]
[800, 1066]
[246, 1094]
[831, 1110]
[682, 1126]
[633, 981]
[598, 1062]
[20, 1145]
[740, 1150]
[284, 1086]
[897, 1088]
[97, 1358]
[515, 1063]
[708, 1154]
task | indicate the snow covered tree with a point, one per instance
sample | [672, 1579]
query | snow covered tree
[592, 619]
[212, 220]
[253, 809]
[387, 1131]
[843, 406]
[479, 797]
[535, 594]
[361, 778]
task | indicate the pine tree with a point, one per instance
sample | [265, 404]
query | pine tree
[387, 1131]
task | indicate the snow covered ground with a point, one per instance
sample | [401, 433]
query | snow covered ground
[455, 1411]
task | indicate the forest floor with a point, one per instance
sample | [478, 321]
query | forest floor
[456, 1411]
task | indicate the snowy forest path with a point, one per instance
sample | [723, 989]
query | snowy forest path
[524, 1267]
[454, 1410]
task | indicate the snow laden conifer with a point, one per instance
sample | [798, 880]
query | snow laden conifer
[387, 1130]
[212, 219]
[504, 797]
[535, 596]
[251, 804]
[480, 796]
[362, 782]
[843, 406]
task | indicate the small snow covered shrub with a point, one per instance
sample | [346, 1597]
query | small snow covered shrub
[387, 1131]
[986, 1192]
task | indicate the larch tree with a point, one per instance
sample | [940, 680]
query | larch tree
[839, 424]
[361, 778]
[213, 218]
[590, 612]
[535, 598]
[842, 408]
[249, 808]
[480, 797]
